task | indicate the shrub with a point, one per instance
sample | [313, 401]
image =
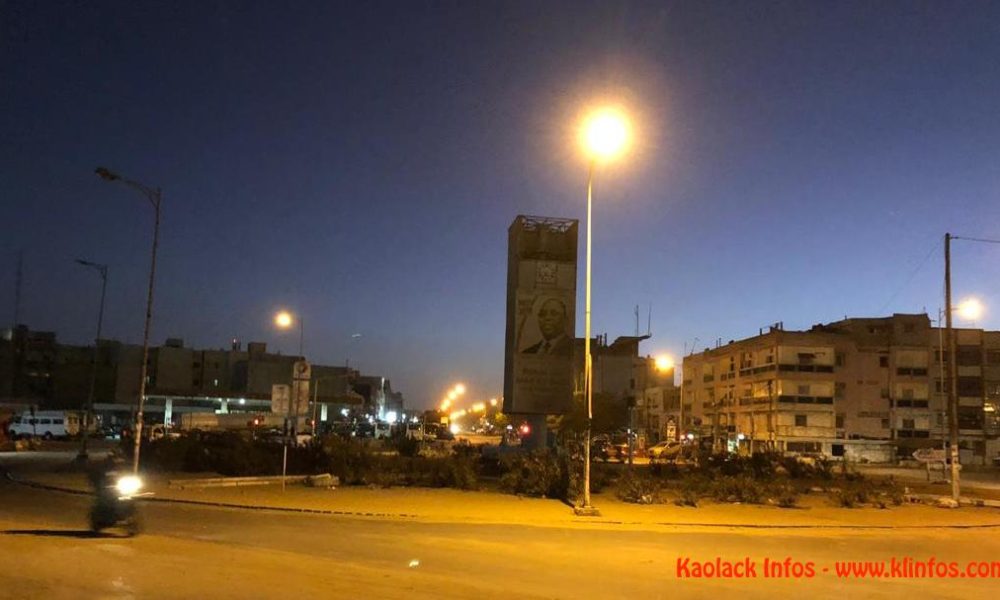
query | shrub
[784, 495]
[541, 473]
[406, 446]
[693, 488]
[741, 488]
[638, 489]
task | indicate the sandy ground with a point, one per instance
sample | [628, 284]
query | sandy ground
[450, 544]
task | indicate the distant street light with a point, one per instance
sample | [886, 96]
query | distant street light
[284, 320]
[155, 199]
[88, 417]
[605, 135]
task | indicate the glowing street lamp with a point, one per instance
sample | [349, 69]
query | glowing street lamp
[605, 136]
[664, 363]
[284, 320]
[459, 388]
[970, 309]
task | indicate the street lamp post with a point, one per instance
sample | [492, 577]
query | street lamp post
[155, 197]
[102, 270]
[605, 135]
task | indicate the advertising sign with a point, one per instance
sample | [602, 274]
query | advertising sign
[541, 316]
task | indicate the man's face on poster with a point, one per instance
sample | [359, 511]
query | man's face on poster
[552, 319]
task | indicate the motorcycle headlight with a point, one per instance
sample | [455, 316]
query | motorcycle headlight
[128, 485]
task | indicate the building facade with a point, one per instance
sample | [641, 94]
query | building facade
[36, 370]
[865, 388]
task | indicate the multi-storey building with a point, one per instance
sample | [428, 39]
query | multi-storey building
[867, 388]
[638, 392]
[35, 370]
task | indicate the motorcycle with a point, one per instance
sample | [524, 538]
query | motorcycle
[115, 505]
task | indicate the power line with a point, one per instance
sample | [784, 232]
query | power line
[913, 274]
[972, 239]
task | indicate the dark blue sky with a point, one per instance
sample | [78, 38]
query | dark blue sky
[359, 163]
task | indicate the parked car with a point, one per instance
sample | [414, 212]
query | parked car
[664, 450]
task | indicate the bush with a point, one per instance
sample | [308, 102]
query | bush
[860, 491]
[406, 446]
[784, 495]
[693, 488]
[741, 488]
[225, 453]
[541, 474]
[638, 489]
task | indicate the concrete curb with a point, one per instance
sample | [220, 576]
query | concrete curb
[286, 509]
[414, 517]
[211, 482]
[962, 501]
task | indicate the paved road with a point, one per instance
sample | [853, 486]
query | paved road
[205, 552]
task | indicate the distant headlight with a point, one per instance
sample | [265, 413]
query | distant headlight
[128, 485]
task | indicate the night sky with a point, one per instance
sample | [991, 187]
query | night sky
[359, 164]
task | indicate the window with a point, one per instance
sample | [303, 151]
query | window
[839, 359]
[802, 447]
[57, 421]
[968, 356]
[806, 358]
[44, 421]
[993, 357]
[885, 423]
[840, 388]
[840, 421]
[970, 386]
[970, 417]
[883, 361]
[801, 420]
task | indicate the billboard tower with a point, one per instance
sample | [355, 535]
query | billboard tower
[541, 319]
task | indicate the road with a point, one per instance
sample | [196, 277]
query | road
[221, 553]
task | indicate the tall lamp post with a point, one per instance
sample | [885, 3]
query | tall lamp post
[155, 199]
[605, 135]
[102, 270]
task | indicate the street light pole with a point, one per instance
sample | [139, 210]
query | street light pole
[587, 361]
[155, 197]
[89, 414]
[952, 374]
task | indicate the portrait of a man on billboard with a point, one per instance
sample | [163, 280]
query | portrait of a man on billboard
[552, 320]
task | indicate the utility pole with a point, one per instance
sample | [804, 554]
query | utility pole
[89, 415]
[17, 292]
[155, 198]
[952, 372]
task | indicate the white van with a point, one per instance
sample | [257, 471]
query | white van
[46, 424]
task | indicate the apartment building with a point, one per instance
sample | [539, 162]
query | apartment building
[864, 388]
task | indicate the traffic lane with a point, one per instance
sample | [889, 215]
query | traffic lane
[524, 559]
